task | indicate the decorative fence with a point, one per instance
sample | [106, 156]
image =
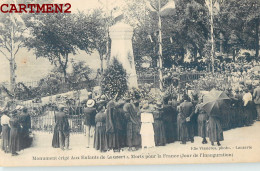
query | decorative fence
[46, 123]
[186, 77]
[151, 78]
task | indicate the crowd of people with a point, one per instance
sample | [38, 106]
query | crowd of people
[15, 130]
[144, 123]
[138, 123]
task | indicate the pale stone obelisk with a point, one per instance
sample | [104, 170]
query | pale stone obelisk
[121, 48]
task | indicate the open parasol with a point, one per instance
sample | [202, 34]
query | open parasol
[213, 101]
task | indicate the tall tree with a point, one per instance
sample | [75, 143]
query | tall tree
[56, 37]
[13, 34]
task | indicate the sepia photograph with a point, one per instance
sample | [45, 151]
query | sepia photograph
[129, 82]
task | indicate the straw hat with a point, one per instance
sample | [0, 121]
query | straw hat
[90, 103]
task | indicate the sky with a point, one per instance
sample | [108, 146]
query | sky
[31, 69]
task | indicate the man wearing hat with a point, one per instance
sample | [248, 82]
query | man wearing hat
[25, 122]
[62, 126]
[238, 106]
[169, 116]
[256, 97]
[185, 128]
[89, 121]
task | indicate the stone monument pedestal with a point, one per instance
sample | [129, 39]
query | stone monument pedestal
[121, 49]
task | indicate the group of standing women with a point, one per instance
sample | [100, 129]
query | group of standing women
[16, 127]
[119, 125]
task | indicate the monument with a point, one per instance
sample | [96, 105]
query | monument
[121, 49]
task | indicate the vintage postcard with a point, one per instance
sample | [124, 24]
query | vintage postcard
[129, 82]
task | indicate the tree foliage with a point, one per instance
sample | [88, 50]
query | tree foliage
[57, 36]
[187, 29]
[96, 23]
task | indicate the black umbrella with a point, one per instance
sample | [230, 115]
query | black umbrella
[213, 101]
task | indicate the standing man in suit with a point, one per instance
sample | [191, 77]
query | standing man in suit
[25, 122]
[89, 121]
[62, 126]
[186, 130]
[256, 97]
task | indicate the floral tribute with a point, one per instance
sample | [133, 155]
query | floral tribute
[114, 81]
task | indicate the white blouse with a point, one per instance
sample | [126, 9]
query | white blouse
[5, 120]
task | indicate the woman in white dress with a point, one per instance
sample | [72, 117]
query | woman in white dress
[147, 131]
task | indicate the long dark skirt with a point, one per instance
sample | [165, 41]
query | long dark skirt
[113, 140]
[182, 129]
[133, 137]
[248, 114]
[100, 138]
[122, 136]
[239, 114]
[5, 138]
[170, 131]
[159, 133]
[14, 141]
[55, 139]
[202, 125]
[25, 139]
[233, 122]
[214, 130]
